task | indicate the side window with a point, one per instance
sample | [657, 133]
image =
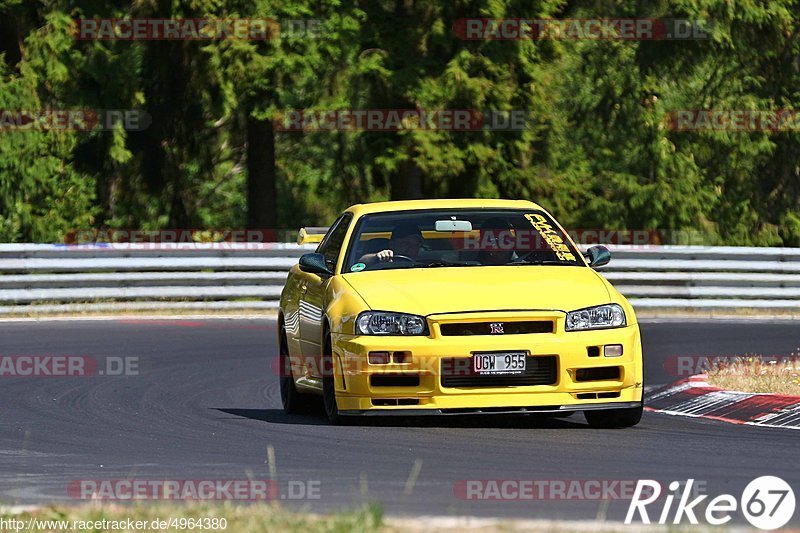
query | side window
[332, 245]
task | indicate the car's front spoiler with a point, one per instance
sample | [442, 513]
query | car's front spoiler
[492, 410]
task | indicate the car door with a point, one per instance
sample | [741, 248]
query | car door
[312, 304]
[290, 304]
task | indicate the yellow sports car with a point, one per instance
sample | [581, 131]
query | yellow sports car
[456, 307]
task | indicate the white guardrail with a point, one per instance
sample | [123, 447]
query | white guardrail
[46, 278]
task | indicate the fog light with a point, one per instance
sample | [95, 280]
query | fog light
[612, 350]
[378, 358]
[402, 357]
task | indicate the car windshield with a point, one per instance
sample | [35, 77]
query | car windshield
[458, 238]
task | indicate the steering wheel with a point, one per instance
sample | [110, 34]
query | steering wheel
[403, 258]
[530, 255]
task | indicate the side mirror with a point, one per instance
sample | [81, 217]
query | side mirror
[314, 263]
[598, 256]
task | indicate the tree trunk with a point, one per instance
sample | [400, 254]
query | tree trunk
[10, 40]
[406, 182]
[262, 195]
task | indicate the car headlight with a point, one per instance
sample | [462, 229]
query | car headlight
[386, 323]
[600, 317]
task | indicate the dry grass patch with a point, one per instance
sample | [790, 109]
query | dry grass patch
[755, 374]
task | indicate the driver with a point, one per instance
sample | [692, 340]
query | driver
[406, 240]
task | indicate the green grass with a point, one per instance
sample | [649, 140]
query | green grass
[240, 518]
[257, 518]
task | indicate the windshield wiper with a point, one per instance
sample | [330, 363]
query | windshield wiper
[435, 264]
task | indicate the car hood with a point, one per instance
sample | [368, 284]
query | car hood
[451, 290]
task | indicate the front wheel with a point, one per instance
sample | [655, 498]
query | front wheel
[329, 399]
[615, 418]
[329, 385]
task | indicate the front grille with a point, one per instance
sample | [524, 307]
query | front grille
[522, 327]
[539, 370]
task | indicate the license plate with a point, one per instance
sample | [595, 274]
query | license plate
[498, 363]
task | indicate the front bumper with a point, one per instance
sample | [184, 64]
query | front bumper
[492, 411]
[357, 393]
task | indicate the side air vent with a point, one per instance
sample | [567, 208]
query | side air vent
[394, 380]
[601, 373]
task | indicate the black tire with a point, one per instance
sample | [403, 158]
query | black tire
[293, 401]
[328, 384]
[615, 418]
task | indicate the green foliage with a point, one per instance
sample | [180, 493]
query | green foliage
[597, 150]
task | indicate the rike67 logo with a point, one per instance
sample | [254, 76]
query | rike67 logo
[767, 503]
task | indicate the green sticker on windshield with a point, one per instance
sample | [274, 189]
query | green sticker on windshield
[358, 267]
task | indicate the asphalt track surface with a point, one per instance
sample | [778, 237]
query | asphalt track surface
[206, 405]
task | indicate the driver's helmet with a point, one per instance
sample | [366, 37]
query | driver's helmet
[406, 229]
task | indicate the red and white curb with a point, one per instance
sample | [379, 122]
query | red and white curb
[696, 398]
